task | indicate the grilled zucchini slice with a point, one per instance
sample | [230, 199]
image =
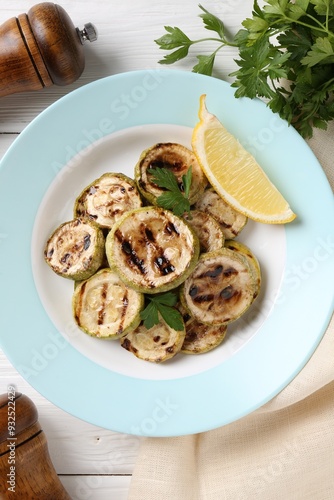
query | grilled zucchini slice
[231, 221]
[75, 250]
[208, 230]
[105, 307]
[107, 198]
[200, 338]
[220, 289]
[152, 249]
[237, 246]
[176, 158]
[156, 344]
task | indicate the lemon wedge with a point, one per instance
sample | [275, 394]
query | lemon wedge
[235, 174]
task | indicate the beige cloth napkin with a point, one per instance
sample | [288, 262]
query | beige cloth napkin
[282, 451]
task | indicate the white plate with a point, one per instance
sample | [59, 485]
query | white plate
[98, 381]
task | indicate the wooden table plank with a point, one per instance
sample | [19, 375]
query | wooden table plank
[97, 487]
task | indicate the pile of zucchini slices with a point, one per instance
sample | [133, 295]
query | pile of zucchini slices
[122, 248]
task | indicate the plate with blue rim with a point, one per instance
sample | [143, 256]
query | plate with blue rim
[104, 126]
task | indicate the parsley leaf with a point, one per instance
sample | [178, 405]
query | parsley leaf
[150, 315]
[162, 304]
[212, 22]
[321, 51]
[323, 7]
[205, 64]
[186, 179]
[176, 197]
[256, 63]
[173, 39]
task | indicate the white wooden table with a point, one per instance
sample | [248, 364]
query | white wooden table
[94, 463]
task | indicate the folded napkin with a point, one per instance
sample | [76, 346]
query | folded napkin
[282, 451]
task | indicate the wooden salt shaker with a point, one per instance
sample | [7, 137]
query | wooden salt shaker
[40, 49]
[26, 470]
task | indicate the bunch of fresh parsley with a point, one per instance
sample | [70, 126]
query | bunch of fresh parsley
[286, 56]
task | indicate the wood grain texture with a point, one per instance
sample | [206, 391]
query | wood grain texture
[97, 487]
[17, 69]
[95, 463]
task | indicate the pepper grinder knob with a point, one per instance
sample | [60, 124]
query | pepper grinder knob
[88, 32]
[41, 48]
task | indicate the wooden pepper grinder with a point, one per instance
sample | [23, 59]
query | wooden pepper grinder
[40, 49]
[26, 470]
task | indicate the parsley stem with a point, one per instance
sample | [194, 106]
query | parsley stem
[325, 30]
[218, 49]
[220, 40]
[301, 23]
[307, 25]
[312, 112]
[325, 85]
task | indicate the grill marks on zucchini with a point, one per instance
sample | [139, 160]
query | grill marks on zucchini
[152, 249]
[75, 250]
[243, 249]
[214, 272]
[161, 262]
[220, 289]
[156, 344]
[107, 198]
[200, 338]
[102, 309]
[130, 253]
[230, 221]
[208, 230]
[103, 306]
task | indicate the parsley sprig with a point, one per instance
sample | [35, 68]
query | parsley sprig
[162, 304]
[285, 55]
[176, 197]
[177, 39]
